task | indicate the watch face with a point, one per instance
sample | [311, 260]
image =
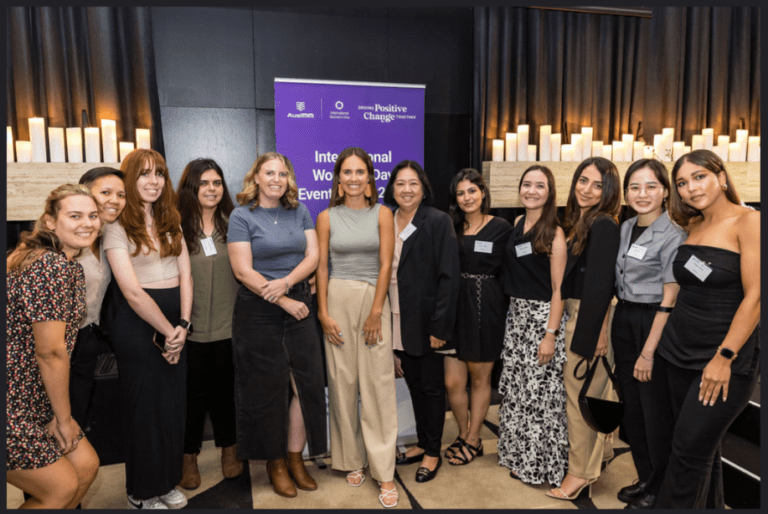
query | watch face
[727, 353]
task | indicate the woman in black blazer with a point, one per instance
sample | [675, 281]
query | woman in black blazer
[424, 292]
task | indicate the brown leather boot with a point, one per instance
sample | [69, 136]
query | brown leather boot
[231, 466]
[190, 475]
[280, 479]
[299, 472]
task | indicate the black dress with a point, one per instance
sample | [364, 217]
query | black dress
[482, 306]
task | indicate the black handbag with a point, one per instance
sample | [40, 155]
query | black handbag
[603, 416]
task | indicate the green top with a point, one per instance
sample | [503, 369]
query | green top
[215, 288]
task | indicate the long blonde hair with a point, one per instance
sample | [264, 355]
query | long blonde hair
[250, 192]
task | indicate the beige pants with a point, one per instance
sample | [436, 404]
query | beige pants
[588, 448]
[357, 370]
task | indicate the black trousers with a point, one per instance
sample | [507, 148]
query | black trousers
[210, 390]
[425, 377]
[629, 331]
[91, 342]
[685, 436]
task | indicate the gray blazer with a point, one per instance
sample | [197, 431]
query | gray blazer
[642, 280]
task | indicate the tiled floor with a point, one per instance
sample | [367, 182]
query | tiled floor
[482, 484]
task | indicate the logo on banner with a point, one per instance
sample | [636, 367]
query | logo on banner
[339, 114]
[339, 105]
[301, 106]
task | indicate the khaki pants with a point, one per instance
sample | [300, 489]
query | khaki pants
[357, 370]
[587, 446]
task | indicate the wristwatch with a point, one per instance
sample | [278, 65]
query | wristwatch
[185, 324]
[726, 352]
[556, 332]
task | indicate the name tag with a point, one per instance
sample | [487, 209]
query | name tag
[484, 246]
[637, 251]
[698, 268]
[523, 249]
[407, 231]
[208, 247]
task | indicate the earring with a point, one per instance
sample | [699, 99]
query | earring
[341, 192]
[725, 187]
[368, 191]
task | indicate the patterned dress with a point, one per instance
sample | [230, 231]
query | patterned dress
[49, 289]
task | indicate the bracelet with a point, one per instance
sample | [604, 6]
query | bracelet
[646, 358]
[287, 286]
[664, 309]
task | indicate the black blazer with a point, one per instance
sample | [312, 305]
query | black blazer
[428, 279]
[590, 277]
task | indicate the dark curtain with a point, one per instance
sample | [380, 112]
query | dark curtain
[687, 68]
[62, 62]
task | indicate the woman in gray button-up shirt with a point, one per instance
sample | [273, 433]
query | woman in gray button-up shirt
[646, 291]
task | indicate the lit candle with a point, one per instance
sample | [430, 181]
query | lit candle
[37, 139]
[686, 149]
[668, 131]
[545, 135]
[678, 149]
[9, 151]
[753, 149]
[56, 143]
[531, 152]
[498, 150]
[566, 153]
[522, 142]
[741, 137]
[697, 142]
[619, 152]
[92, 145]
[628, 140]
[658, 145]
[721, 151]
[668, 147]
[597, 149]
[709, 137]
[109, 140]
[607, 152]
[554, 147]
[125, 149]
[734, 151]
[577, 144]
[723, 141]
[511, 147]
[142, 138]
[638, 150]
[586, 142]
[647, 152]
[74, 144]
[23, 151]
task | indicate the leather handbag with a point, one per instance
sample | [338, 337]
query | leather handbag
[601, 415]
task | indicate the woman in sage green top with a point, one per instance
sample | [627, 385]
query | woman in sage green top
[205, 205]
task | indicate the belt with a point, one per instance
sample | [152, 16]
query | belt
[481, 277]
[651, 306]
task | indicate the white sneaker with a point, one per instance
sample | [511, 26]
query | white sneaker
[174, 499]
[152, 503]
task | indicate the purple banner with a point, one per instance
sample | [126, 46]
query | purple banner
[315, 120]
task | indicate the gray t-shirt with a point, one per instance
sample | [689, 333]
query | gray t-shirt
[276, 236]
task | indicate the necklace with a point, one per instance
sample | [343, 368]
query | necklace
[274, 220]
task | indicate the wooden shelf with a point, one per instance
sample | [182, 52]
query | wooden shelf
[503, 179]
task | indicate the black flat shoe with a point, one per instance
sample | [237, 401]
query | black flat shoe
[630, 492]
[401, 459]
[646, 501]
[425, 475]
[512, 474]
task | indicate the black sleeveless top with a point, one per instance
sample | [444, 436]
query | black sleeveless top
[528, 276]
[704, 311]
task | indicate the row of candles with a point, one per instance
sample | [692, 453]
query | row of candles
[515, 146]
[34, 150]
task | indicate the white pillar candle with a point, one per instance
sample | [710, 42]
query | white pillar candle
[721, 151]
[658, 145]
[619, 152]
[607, 152]
[577, 147]
[742, 136]
[92, 145]
[37, 139]
[56, 143]
[545, 136]
[498, 150]
[678, 149]
[597, 149]
[586, 142]
[511, 147]
[522, 142]
[697, 142]
[9, 151]
[628, 140]
[709, 138]
[531, 152]
[125, 149]
[637, 152]
[723, 140]
[554, 147]
[109, 140]
[668, 131]
[74, 144]
[566, 153]
[142, 138]
[734, 151]
[668, 147]
[753, 149]
[648, 152]
[686, 149]
[23, 151]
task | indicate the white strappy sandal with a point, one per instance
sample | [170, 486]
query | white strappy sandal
[388, 495]
[355, 475]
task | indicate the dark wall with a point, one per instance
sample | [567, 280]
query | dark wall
[216, 68]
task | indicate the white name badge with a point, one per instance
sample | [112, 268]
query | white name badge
[523, 249]
[637, 251]
[208, 247]
[484, 246]
[407, 231]
[698, 268]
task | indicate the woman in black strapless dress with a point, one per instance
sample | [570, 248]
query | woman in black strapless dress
[709, 350]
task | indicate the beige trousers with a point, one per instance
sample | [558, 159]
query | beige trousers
[355, 370]
[588, 447]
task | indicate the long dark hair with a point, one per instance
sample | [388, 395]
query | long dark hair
[610, 202]
[189, 205]
[681, 212]
[544, 230]
[337, 199]
[455, 212]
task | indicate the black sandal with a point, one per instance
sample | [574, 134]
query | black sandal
[474, 451]
[454, 447]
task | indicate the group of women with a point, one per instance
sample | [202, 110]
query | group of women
[211, 311]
